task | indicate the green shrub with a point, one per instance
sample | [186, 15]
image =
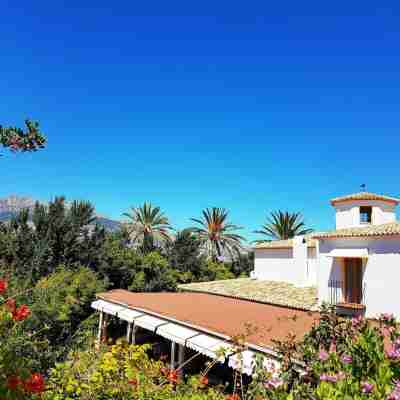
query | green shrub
[120, 372]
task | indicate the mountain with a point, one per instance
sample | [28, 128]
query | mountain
[11, 205]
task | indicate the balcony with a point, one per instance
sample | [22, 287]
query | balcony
[348, 299]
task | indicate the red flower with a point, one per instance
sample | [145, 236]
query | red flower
[173, 377]
[3, 286]
[21, 313]
[35, 384]
[133, 382]
[204, 380]
[233, 397]
[11, 305]
[13, 382]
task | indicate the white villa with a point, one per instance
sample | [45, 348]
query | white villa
[354, 267]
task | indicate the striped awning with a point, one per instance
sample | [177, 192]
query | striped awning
[106, 307]
[176, 333]
[149, 322]
[129, 315]
[209, 346]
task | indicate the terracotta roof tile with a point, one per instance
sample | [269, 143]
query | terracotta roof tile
[269, 292]
[222, 315]
[389, 229]
[364, 196]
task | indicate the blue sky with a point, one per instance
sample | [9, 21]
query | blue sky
[252, 106]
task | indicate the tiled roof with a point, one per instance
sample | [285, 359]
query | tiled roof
[222, 315]
[282, 244]
[389, 229]
[269, 292]
[364, 196]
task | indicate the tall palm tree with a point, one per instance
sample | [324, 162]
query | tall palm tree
[216, 234]
[284, 225]
[148, 227]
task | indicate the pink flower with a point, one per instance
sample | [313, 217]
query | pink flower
[323, 355]
[387, 317]
[274, 383]
[367, 387]
[328, 378]
[346, 359]
[332, 348]
[393, 353]
[357, 321]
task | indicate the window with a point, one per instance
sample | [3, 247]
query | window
[365, 215]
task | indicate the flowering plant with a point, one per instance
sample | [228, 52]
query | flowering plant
[17, 378]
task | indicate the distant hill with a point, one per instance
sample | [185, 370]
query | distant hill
[11, 205]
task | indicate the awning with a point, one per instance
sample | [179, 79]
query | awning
[108, 308]
[129, 315]
[209, 346]
[149, 322]
[176, 333]
[349, 253]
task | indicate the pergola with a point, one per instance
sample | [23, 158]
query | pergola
[199, 322]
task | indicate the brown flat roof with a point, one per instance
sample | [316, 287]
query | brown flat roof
[221, 315]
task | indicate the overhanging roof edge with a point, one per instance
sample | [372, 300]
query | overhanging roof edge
[267, 350]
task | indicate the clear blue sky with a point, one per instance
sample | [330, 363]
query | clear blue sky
[252, 106]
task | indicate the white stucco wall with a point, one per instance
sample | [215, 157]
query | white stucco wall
[275, 265]
[296, 265]
[381, 272]
[348, 213]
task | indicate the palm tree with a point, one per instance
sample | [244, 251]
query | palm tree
[283, 225]
[216, 234]
[148, 227]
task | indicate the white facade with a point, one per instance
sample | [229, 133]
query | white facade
[348, 213]
[295, 264]
[322, 262]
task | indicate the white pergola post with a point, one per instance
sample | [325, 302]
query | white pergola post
[173, 350]
[100, 329]
[129, 332]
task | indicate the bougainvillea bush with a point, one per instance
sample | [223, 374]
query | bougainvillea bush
[19, 378]
[339, 359]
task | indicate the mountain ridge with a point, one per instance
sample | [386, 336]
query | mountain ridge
[11, 205]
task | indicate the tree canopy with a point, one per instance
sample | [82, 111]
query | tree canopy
[284, 225]
[18, 140]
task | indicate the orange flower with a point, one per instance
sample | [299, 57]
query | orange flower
[13, 382]
[233, 396]
[35, 384]
[21, 313]
[3, 286]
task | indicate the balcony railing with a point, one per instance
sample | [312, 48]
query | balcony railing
[339, 293]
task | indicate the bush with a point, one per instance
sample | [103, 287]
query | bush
[17, 351]
[154, 275]
[120, 372]
[59, 303]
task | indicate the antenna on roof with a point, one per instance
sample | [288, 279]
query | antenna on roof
[363, 186]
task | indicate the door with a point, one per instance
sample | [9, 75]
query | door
[353, 280]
